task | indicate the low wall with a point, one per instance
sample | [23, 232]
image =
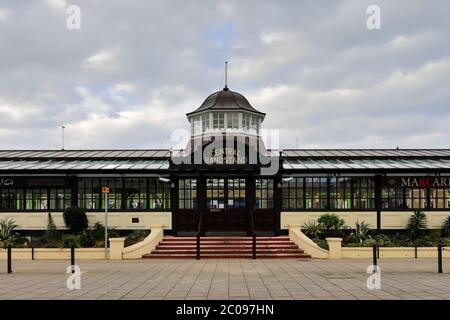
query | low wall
[389, 219]
[54, 254]
[336, 251]
[116, 219]
[117, 251]
[306, 244]
[289, 218]
[392, 253]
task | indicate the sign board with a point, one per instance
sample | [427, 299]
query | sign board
[418, 182]
[105, 190]
[226, 156]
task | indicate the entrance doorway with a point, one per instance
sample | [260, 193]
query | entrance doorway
[226, 207]
[226, 203]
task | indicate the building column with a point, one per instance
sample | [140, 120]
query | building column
[378, 195]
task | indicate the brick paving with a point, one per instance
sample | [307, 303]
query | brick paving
[226, 279]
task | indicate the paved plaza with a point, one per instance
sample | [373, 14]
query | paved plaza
[226, 279]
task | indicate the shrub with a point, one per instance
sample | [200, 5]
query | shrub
[312, 229]
[362, 230]
[416, 224]
[446, 227]
[331, 221]
[350, 239]
[69, 240]
[51, 233]
[138, 235]
[75, 219]
[18, 241]
[321, 243]
[7, 227]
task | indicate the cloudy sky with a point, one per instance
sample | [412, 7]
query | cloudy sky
[129, 75]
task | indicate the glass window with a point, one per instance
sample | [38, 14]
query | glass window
[416, 198]
[36, 199]
[159, 194]
[233, 120]
[89, 192]
[135, 193]
[215, 193]
[292, 193]
[60, 199]
[205, 122]
[236, 193]
[197, 125]
[264, 193]
[363, 193]
[187, 193]
[246, 121]
[392, 198]
[316, 193]
[11, 199]
[440, 198]
[218, 121]
[340, 193]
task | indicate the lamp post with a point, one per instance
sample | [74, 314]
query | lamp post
[105, 190]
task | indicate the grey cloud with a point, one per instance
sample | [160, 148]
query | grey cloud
[313, 66]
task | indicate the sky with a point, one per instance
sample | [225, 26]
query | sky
[129, 75]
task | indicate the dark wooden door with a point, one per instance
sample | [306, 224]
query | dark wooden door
[226, 220]
[187, 221]
[226, 205]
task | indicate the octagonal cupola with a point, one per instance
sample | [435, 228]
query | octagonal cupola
[225, 111]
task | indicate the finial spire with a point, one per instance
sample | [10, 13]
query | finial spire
[226, 76]
[62, 145]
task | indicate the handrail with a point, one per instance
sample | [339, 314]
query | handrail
[199, 230]
[252, 226]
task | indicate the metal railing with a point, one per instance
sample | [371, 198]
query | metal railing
[252, 230]
[199, 231]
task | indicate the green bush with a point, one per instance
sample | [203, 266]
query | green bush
[138, 235]
[446, 227]
[312, 229]
[416, 225]
[321, 243]
[331, 221]
[51, 234]
[75, 219]
[69, 240]
[350, 239]
[18, 241]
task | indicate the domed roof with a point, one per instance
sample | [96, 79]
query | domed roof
[226, 100]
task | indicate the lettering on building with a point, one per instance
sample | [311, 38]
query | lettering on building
[5, 182]
[226, 156]
[425, 182]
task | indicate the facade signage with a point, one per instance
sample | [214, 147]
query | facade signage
[6, 182]
[226, 156]
[419, 182]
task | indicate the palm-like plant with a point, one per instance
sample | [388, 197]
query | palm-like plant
[312, 229]
[416, 224]
[362, 230]
[7, 227]
[446, 226]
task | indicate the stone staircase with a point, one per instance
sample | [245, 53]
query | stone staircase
[226, 247]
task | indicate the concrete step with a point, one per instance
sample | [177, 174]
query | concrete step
[178, 239]
[225, 250]
[227, 256]
[226, 247]
[236, 247]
